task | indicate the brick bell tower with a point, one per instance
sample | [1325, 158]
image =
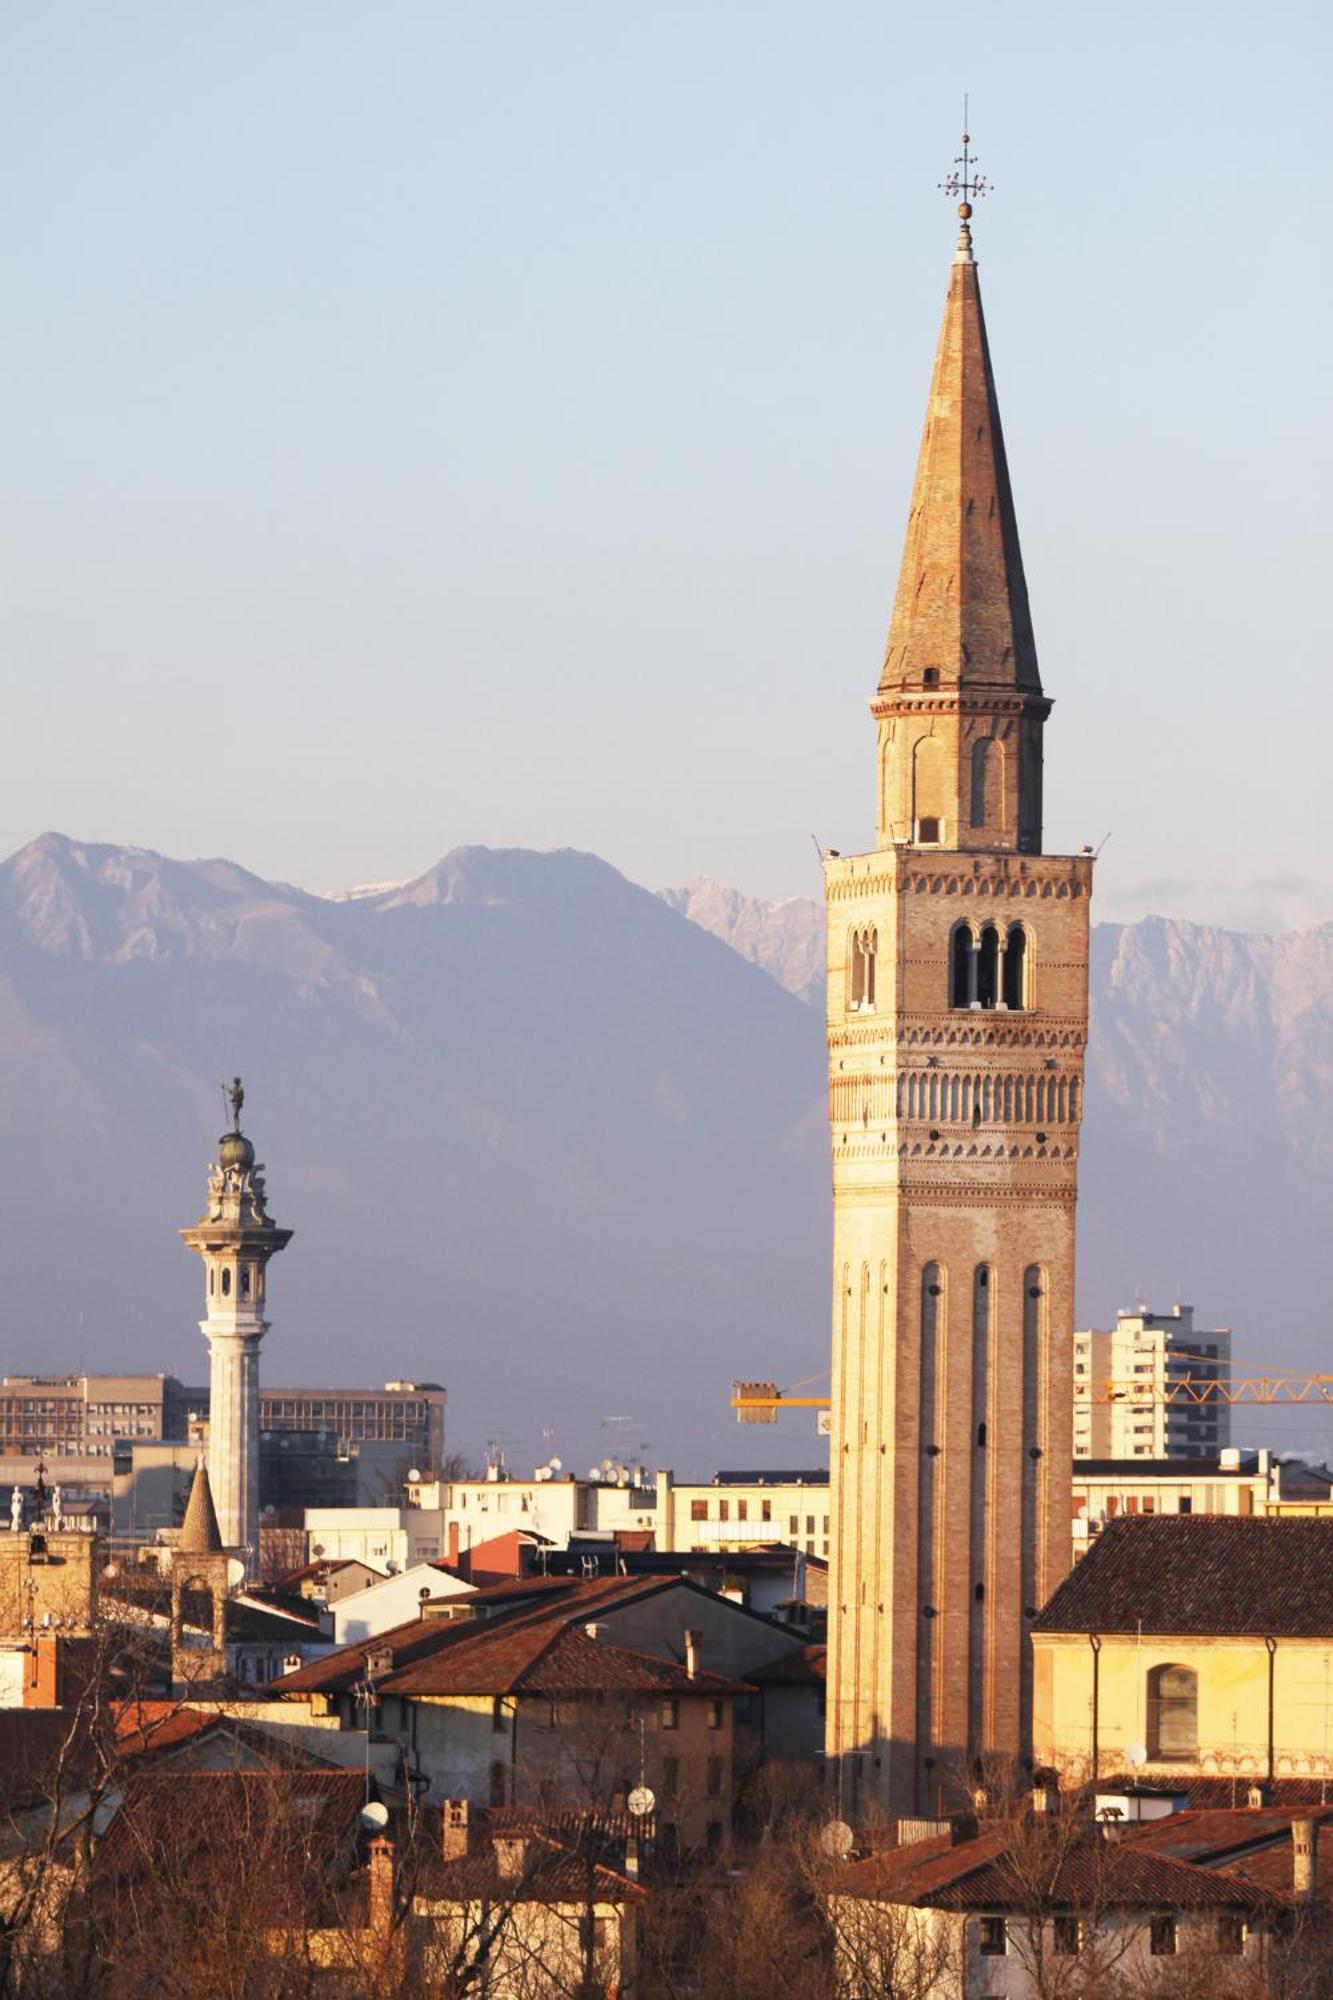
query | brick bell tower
[957, 1020]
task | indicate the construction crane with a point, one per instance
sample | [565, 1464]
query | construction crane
[762, 1402]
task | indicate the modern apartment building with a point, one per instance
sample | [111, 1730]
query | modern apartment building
[74, 1423]
[738, 1510]
[1124, 1376]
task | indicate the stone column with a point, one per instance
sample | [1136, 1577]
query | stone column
[233, 1439]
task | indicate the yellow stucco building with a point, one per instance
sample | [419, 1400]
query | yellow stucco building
[1185, 1647]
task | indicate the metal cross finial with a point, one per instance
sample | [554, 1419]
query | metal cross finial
[965, 180]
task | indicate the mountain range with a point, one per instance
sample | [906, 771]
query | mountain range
[559, 1142]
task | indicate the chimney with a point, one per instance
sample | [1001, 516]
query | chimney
[452, 1558]
[1256, 1796]
[1303, 1859]
[454, 1829]
[693, 1646]
[511, 1854]
[632, 1856]
[379, 1889]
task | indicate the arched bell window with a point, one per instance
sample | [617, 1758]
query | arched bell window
[992, 968]
[861, 969]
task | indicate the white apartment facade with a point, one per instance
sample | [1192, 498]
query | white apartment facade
[725, 1514]
[742, 1510]
[388, 1538]
[1121, 1381]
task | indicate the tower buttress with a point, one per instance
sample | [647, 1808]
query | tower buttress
[957, 1022]
[235, 1237]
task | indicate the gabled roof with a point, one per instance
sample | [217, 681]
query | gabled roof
[1091, 1872]
[551, 1873]
[418, 1636]
[506, 1653]
[548, 1657]
[1217, 1835]
[200, 1819]
[1204, 1575]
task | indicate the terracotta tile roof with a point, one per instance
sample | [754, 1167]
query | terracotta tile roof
[144, 1726]
[547, 1656]
[338, 1671]
[566, 1600]
[1092, 1873]
[551, 1873]
[1250, 1844]
[1271, 1868]
[200, 1818]
[1200, 1574]
[1213, 1833]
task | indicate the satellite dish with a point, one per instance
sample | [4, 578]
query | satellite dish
[1136, 1755]
[641, 1801]
[374, 1817]
[414, 1476]
[235, 1572]
[837, 1839]
[556, 1465]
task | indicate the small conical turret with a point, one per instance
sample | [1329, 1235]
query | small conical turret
[200, 1535]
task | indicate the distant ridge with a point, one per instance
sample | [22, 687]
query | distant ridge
[543, 1137]
[786, 938]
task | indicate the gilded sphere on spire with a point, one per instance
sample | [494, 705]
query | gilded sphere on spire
[965, 210]
[235, 1150]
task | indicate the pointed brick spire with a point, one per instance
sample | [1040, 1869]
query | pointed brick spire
[200, 1535]
[961, 616]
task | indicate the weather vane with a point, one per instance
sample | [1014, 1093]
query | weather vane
[965, 180]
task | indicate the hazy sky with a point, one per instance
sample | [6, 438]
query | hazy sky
[433, 423]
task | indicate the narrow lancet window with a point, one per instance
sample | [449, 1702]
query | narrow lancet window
[963, 968]
[1015, 968]
[988, 967]
[861, 983]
